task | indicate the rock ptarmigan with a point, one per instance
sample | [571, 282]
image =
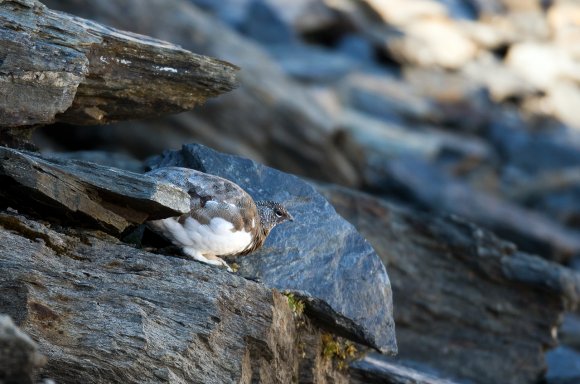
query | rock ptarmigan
[224, 220]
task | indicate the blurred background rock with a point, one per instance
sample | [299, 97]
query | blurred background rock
[467, 107]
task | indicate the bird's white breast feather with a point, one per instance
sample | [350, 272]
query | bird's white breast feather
[216, 238]
[174, 231]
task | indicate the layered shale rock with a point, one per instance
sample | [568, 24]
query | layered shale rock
[463, 292]
[102, 311]
[320, 256]
[56, 67]
[20, 360]
[83, 192]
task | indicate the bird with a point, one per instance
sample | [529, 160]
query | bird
[223, 219]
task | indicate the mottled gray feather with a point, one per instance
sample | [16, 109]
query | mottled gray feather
[213, 196]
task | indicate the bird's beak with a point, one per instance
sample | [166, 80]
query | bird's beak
[290, 217]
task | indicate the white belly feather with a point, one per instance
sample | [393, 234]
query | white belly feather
[216, 238]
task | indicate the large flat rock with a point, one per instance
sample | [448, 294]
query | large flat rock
[320, 255]
[105, 312]
[87, 73]
[469, 305]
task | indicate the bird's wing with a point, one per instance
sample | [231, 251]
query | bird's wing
[213, 196]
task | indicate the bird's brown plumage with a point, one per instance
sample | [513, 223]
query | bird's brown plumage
[215, 197]
[226, 199]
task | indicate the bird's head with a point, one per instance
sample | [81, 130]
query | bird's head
[272, 214]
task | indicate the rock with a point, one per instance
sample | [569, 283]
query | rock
[305, 16]
[403, 13]
[522, 6]
[233, 13]
[108, 198]
[502, 82]
[321, 368]
[385, 97]
[280, 22]
[108, 159]
[383, 141]
[459, 10]
[569, 332]
[564, 98]
[360, 17]
[533, 150]
[375, 368]
[562, 19]
[542, 64]
[433, 43]
[485, 35]
[300, 16]
[102, 311]
[79, 67]
[269, 114]
[420, 182]
[463, 157]
[488, 7]
[522, 26]
[563, 366]
[313, 64]
[462, 294]
[459, 102]
[554, 192]
[54, 85]
[429, 82]
[356, 46]
[264, 25]
[320, 256]
[20, 360]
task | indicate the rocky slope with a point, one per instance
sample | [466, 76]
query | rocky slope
[457, 118]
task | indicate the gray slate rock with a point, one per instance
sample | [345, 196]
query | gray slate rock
[314, 64]
[563, 366]
[420, 182]
[265, 26]
[463, 295]
[569, 332]
[104, 312]
[386, 97]
[534, 152]
[104, 197]
[86, 73]
[356, 46]
[20, 360]
[106, 158]
[320, 255]
[377, 369]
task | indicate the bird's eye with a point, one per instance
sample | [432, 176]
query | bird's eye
[278, 213]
